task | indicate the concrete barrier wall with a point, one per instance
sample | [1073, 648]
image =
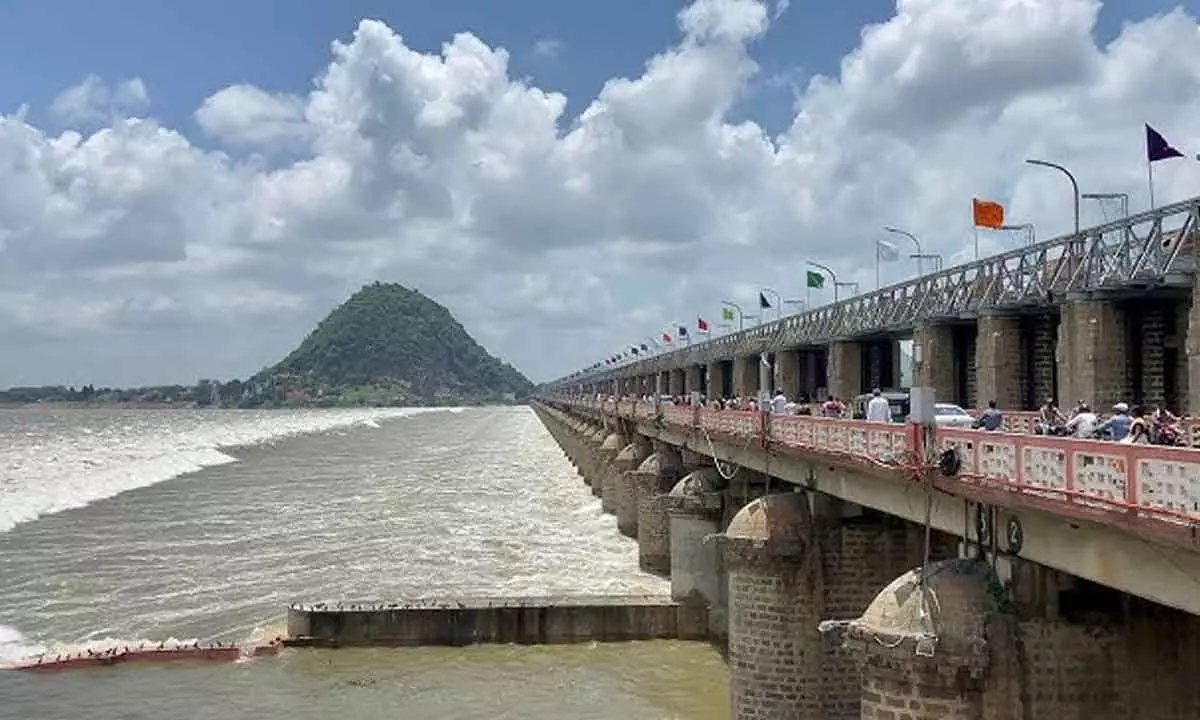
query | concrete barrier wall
[497, 620]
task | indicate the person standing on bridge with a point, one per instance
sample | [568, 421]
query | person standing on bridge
[878, 409]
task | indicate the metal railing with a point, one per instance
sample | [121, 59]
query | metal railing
[1154, 248]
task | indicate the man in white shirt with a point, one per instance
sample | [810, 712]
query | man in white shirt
[779, 403]
[1084, 423]
[878, 409]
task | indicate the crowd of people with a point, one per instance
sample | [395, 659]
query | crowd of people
[779, 404]
[1141, 424]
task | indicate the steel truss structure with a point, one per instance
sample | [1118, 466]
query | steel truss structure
[1138, 253]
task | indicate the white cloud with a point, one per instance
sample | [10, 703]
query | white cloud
[92, 100]
[246, 115]
[547, 48]
[129, 254]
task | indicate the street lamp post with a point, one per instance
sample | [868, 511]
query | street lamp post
[920, 253]
[1074, 183]
[832, 276]
[741, 315]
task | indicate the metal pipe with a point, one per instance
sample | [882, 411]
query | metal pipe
[1074, 184]
[1026, 227]
[920, 252]
[1123, 197]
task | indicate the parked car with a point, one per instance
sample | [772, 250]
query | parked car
[951, 415]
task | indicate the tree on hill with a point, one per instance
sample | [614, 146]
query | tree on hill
[388, 336]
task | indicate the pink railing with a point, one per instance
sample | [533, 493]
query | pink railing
[1154, 488]
[1141, 481]
[679, 415]
[1017, 421]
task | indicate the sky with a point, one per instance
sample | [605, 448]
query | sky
[187, 188]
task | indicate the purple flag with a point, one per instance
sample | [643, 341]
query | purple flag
[1157, 147]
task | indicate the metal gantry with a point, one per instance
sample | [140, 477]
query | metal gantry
[1137, 253]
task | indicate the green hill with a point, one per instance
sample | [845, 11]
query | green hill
[391, 345]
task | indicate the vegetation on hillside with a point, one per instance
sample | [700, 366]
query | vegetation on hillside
[391, 345]
[386, 345]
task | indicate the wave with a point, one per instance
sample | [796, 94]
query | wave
[19, 649]
[57, 462]
[15, 648]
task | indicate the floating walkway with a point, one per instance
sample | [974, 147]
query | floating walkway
[470, 621]
[150, 653]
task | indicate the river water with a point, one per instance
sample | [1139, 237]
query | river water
[118, 526]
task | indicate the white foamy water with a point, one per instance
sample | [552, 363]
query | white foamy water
[356, 505]
[59, 459]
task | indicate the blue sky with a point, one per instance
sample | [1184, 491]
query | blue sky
[185, 51]
[133, 254]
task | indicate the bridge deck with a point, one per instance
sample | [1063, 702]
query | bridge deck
[1151, 490]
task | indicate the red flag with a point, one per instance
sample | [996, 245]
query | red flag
[701, 325]
[666, 338]
[988, 214]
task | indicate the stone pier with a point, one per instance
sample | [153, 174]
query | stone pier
[654, 478]
[697, 568]
[791, 557]
[923, 646]
[612, 446]
[594, 460]
[624, 485]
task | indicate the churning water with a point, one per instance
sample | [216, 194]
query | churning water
[123, 525]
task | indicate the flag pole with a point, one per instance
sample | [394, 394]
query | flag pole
[877, 248]
[975, 224]
[1150, 180]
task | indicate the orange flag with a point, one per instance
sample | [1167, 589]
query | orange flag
[988, 214]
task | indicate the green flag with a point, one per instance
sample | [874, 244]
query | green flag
[816, 280]
[727, 313]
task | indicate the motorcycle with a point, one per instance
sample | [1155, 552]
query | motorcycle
[1169, 434]
[1051, 429]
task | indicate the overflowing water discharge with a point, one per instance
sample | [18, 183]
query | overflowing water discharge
[118, 526]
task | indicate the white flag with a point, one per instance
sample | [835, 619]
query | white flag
[887, 251]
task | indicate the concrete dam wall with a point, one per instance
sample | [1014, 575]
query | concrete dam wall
[466, 621]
